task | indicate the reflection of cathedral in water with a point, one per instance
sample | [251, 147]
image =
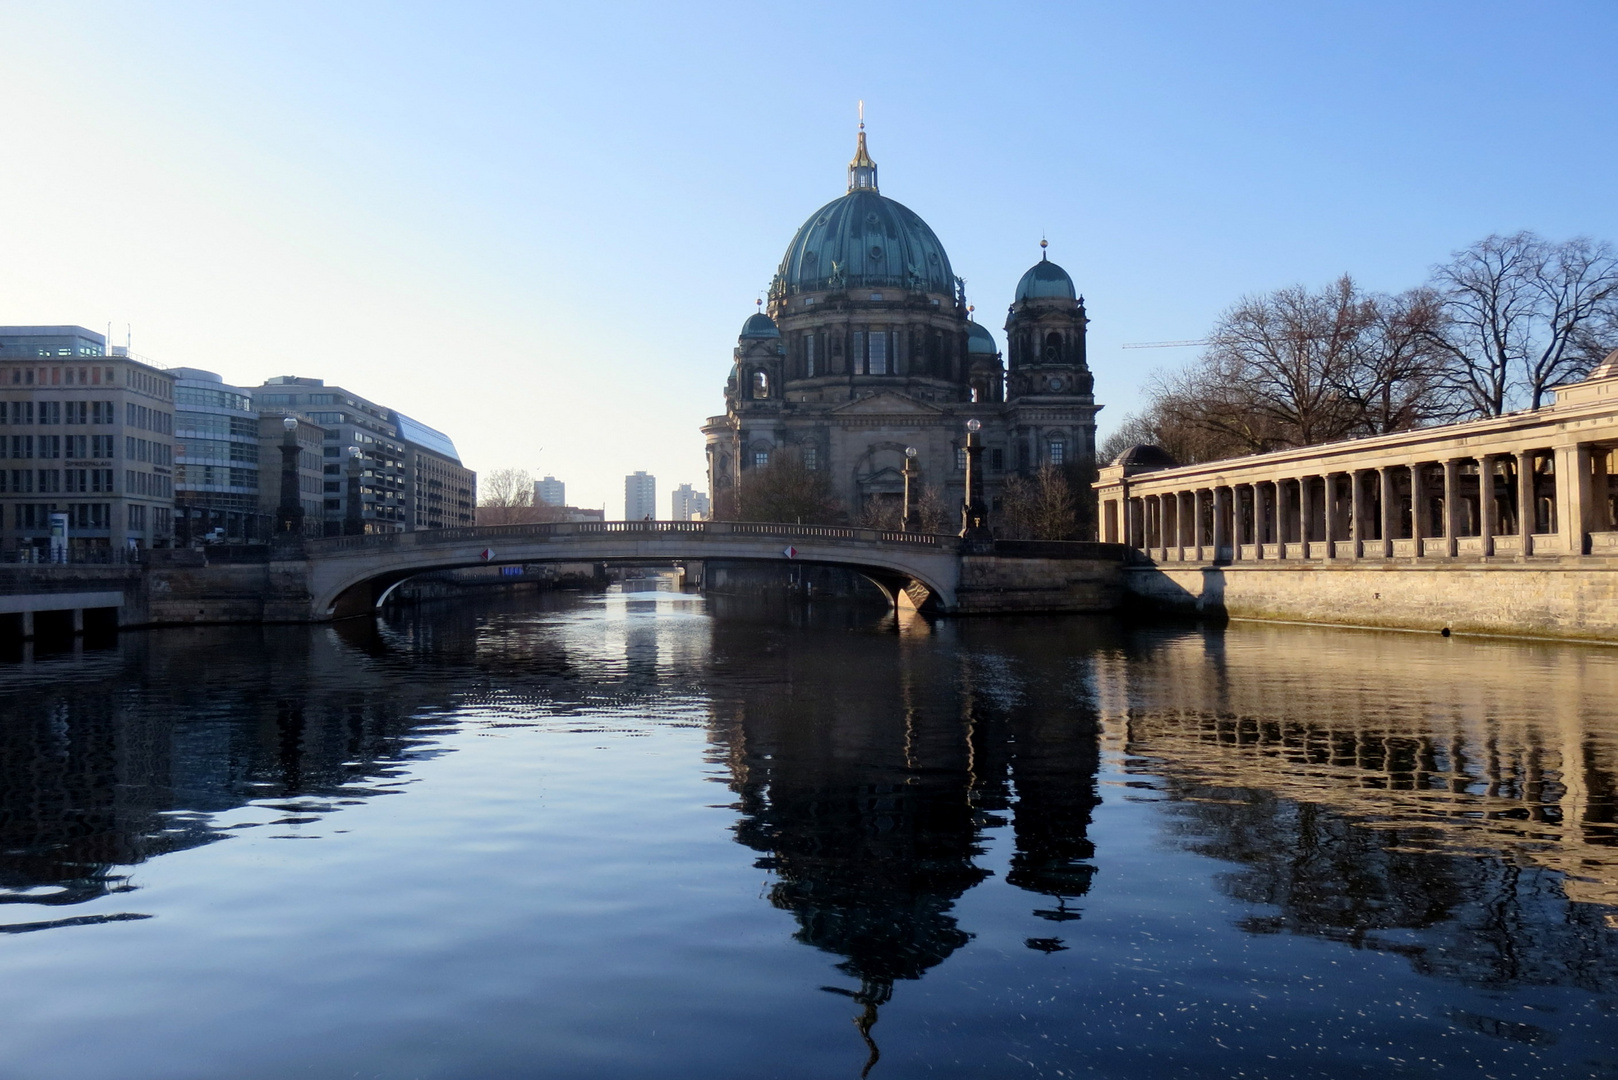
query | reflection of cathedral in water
[867, 788]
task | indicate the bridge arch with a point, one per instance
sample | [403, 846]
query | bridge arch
[348, 575]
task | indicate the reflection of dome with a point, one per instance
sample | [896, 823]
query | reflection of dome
[979, 342]
[1146, 455]
[1046, 281]
[760, 325]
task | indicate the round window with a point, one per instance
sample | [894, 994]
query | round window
[876, 252]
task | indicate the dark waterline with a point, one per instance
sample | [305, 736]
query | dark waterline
[654, 835]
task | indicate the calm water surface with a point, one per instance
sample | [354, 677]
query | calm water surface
[661, 836]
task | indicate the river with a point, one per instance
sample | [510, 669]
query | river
[662, 835]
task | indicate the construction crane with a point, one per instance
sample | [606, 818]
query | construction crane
[1163, 344]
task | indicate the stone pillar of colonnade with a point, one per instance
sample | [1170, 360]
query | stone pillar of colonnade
[1199, 538]
[1385, 493]
[1418, 507]
[1221, 522]
[1452, 504]
[1261, 517]
[1486, 510]
[1573, 490]
[1356, 513]
[1305, 512]
[1238, 525]
[1171, 521]
[1526, 510]
[1331, 509]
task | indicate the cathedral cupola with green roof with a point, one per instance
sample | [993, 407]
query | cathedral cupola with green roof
[866, 347]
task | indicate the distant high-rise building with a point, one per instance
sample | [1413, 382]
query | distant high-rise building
[690, 504]
[640, 497]
[550, 492]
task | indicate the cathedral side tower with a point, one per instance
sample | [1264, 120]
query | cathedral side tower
[1048, 382]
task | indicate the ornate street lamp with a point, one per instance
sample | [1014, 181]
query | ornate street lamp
[354, 518]
[910, 474]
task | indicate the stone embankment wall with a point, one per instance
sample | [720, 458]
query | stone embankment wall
[1563, 598]
[995, 584]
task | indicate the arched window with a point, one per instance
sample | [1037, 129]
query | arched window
[1058, 451]
[761, 385]
[1053, 348]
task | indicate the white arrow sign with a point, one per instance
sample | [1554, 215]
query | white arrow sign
[790, 552]
[488, 555]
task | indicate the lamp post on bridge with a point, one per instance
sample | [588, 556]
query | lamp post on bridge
[289, 513]
[354, 517]
[974, 518]
[910, 474]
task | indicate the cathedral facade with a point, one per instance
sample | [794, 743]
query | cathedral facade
[867, 347]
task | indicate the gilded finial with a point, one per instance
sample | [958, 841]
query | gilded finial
[1043, 244]
[862, 170]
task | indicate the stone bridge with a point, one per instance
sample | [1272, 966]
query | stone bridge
[349, 575]
[342, 577]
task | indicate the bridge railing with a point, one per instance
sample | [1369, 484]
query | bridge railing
[782, 530]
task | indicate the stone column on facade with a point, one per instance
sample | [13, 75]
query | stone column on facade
[1573, 495]
[1526, 510]
[1199, 534]
[1418, 506]
[1356, 513]
[1486, 502]
[1452, 504]
[1386, 496]
[1330, 507]
[1221, 521]
[1305, 513]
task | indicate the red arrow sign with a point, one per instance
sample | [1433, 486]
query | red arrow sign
[790, 552]
[488, 555]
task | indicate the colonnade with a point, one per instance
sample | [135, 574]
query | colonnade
[1536, 500]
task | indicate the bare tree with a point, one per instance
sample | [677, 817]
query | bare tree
[1041, 507]
[507, 498]
[1396, 380]
[1522, 314]
[787, 490]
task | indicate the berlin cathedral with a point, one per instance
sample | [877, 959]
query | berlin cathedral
[867, 347]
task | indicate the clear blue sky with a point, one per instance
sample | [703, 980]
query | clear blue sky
[540, 228]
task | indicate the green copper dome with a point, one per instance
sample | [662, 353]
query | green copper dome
[760, 326]
[1046, 281]
[979, 342]
[865, 240]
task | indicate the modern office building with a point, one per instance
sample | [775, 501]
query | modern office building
[216, 462]
[550, 492]
[86, 436]
[690, 504]
[640, 497]
[411, 475]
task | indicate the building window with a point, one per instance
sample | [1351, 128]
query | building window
[879, 353]
[761, 458]
[1058, 451]
[997, 459]
[1053, 348]
[761, 385]
[811, 457]
[809, 356]
[859, 352]
[960, 458]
